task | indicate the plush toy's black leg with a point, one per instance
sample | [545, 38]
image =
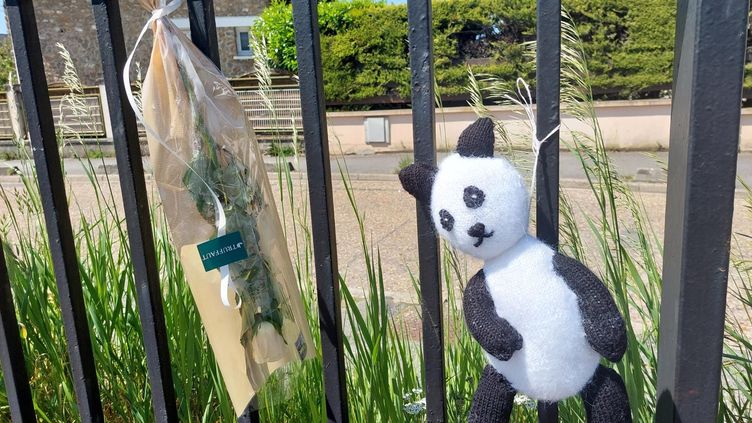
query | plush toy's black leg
[493, 399]
[605, 398]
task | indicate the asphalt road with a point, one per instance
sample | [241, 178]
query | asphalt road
[633, 166]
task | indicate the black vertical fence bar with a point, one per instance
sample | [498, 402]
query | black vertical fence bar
[204, 28]
[17, 388]
[250, 415]
[319, 182]
[548, 64]
[705, 114]
[204, 35]
[36, 101]
[136, 205]
[305, 20]
[420, 36]
[548, 412]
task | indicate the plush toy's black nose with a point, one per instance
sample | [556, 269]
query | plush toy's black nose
[477, 230]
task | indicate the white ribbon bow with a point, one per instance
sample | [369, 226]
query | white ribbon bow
[165, 10]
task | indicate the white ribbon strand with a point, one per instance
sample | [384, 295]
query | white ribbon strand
[226, 283]
[526, 102]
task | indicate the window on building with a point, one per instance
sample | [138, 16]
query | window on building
[243, 41]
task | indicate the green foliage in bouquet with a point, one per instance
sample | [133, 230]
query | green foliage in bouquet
[215, 169]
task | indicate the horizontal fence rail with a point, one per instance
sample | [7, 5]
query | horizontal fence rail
[275, 115]
[6, 121]
[84, 118]
[278, 119]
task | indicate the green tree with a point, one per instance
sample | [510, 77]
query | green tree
[369, 59]
[7, 61]
[629, 44]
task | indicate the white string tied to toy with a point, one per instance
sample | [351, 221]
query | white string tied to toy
[166, 8]
[526, 102]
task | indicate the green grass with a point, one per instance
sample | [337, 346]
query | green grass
[10, 154]
[404, 162]
[279, 149]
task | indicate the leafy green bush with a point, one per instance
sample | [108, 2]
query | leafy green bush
[7, 62]
[277, 28]
[629, 45]
[365, 45]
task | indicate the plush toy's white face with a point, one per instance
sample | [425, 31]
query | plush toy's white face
[479, 204]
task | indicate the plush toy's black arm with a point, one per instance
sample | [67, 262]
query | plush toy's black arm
[493, 333]
[603, 324]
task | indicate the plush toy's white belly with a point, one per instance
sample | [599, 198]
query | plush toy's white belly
[556, 360]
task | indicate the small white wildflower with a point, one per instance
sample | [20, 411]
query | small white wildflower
[416, 407]
[524, 400]
[414, 404]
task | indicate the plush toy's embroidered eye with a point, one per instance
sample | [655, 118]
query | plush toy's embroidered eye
[447, 220]
[473, 197]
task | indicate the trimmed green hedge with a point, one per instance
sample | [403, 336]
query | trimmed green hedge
[7, 65]
[629, 44]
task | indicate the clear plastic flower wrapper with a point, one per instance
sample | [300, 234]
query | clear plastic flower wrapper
[220, 209]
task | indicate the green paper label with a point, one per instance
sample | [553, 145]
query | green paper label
[222, 251]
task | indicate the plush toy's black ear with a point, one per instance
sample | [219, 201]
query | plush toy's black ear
[477, 140]
[417, 179]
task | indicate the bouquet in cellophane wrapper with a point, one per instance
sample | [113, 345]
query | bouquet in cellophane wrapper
[219, 205]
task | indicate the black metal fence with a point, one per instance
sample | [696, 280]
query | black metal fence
[702, 166]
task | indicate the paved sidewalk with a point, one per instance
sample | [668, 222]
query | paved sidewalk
[389, 214]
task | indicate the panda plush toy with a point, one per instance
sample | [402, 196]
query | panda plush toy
[544, 320]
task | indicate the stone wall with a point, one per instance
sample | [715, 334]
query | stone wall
[71, 23]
